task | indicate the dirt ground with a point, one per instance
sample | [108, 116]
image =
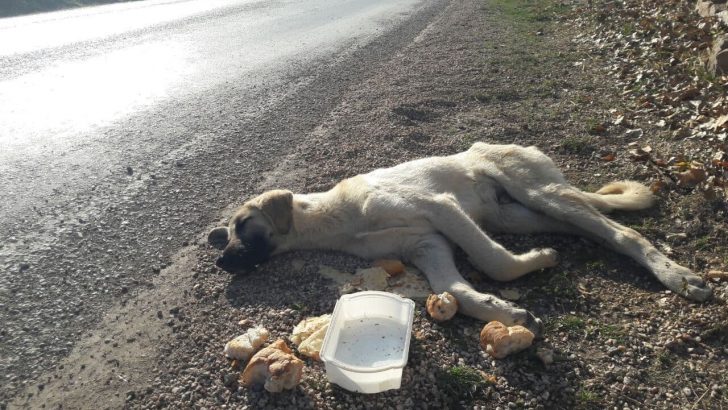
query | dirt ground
[500, 71]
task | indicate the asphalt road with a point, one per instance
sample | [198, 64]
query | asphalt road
[126, 131]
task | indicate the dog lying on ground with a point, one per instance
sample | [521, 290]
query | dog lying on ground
[418, 210]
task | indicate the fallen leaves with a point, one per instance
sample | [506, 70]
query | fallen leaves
[691, 177]
[657, 52]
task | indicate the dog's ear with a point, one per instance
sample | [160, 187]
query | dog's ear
[218, 238]
[277, 206]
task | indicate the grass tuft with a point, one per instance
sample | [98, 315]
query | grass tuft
[461, 381]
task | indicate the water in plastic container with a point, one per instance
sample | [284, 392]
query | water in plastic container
[371, 342]
[367, 343]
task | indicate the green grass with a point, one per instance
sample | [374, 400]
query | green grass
[529, 11]
[568, 323]
[596, 127]
[596, 265]
[628, 28]
[612, 332]
[577, 145]
[665, 360]
[461, 381]
[703, 242]
[557, 284]
[587, 399]
[497, 96]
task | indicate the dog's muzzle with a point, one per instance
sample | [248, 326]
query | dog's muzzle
[244, 257]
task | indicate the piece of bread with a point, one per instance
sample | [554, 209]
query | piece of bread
[275, 367]
[393, 267]
[305, 328]
[499, 340]
[442, 307]
[311, 347]
[243, 346]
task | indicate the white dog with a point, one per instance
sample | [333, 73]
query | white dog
[418, 210]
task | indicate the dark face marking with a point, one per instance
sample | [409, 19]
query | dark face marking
[249, 246]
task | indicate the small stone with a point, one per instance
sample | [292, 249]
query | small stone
[545, 355]
[129, 170]
[687, 392]
[510, 294]
[635, 133]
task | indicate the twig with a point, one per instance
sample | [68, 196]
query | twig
[699, 399]
[635, 400]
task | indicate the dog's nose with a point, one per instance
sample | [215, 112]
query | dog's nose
[222, 262]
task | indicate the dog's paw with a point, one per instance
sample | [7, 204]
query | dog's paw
[530, 322]
[544, 258]
[684, 282]
[698, 290]
[694, 287]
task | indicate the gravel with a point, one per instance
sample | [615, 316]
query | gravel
[610, 341]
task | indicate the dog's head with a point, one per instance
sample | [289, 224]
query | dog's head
[254, 231]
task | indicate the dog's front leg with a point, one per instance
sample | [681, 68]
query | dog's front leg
[433, 255]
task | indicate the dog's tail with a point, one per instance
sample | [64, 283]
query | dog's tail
[622, 195]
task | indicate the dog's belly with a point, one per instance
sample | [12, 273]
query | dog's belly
[391, 242]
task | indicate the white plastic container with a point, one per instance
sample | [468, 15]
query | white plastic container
[367, 343]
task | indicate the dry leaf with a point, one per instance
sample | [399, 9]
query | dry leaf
[717, 274]
[600, 128]
[657, 186]
[489, 378]
[691, 177]
[722, 121]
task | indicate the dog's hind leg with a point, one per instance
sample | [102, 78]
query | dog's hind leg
[433, 256]
[445, 214]
[517, 219]
[568, 204]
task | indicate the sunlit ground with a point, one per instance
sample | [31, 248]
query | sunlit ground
[78, 95]
[46, 30]
[65, 73]
[73, 95]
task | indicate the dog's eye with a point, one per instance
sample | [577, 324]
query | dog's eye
[240, 227]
